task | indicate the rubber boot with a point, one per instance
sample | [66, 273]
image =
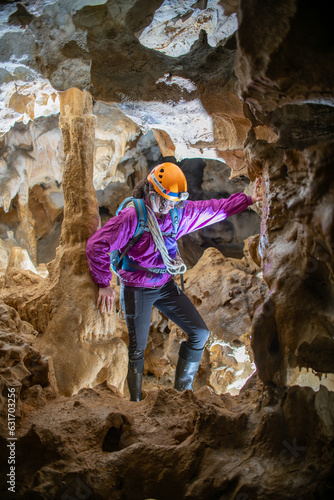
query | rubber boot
[135, 378]
[187, 366]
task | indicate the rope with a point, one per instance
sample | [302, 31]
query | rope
[174, 266]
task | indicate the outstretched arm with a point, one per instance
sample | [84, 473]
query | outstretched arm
[201, 213]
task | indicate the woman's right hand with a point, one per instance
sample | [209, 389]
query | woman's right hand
[106, 298]
[257, 195]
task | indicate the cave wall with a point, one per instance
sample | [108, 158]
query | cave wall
[253, 88]
[245, 106]
[295, 248]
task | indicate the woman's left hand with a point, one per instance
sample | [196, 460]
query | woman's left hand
[257, 195]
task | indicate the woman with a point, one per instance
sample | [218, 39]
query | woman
[148, 280]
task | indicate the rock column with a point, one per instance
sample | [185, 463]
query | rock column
[293, 329]
[80, 205]
[78, 337]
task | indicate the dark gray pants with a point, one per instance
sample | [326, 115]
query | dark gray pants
[137, 304]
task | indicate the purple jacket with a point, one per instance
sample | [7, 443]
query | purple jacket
[117, 232]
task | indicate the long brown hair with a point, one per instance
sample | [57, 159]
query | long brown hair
[142, 189]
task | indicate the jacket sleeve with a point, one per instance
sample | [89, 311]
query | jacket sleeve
[198, 214]
[114, 235]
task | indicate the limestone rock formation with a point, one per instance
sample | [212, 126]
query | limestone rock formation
[32, 171]
[294, 326]
[84, 46]
[177, 445]
[187, 18]
[61, 306]
[249, 83]
[22, 366]
[270, 74]
[227, 300]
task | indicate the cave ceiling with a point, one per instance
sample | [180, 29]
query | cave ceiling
[92, 93]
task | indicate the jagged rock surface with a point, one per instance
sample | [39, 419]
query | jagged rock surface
[177, 445]
[285, 53]
[21, 364]
[294, 326]
[227, 300]
[262, 99]
[62, 306]
[82, 46]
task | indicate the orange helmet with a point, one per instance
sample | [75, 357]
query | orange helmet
[169, 181]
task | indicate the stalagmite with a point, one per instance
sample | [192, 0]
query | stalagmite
[89, 354]
[77, 336]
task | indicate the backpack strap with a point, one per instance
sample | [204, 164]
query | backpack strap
[175, 219]
[141, 214]
[124, 204]
[141, 211]
[117, 259]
